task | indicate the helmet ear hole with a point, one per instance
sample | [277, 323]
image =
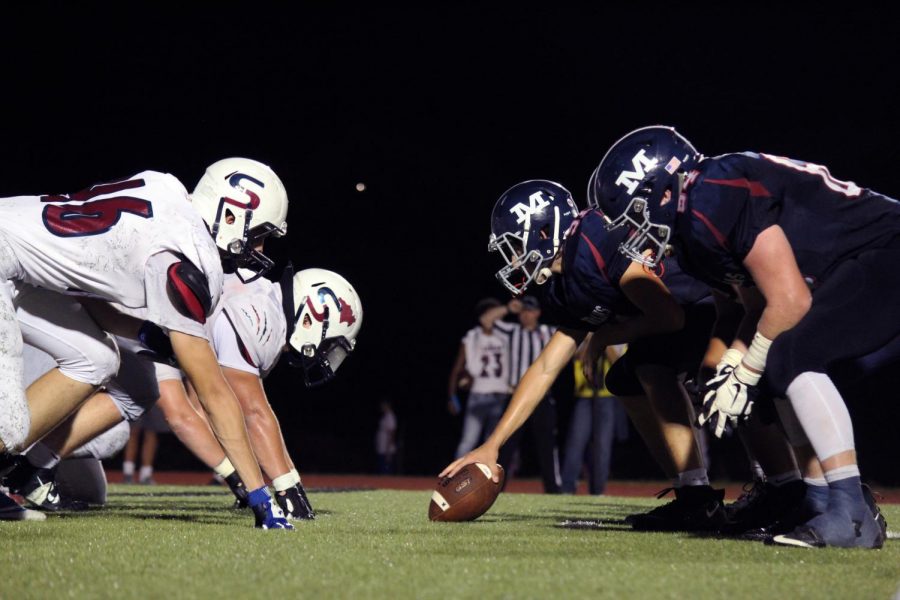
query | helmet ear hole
[545, 232]
[229, 216]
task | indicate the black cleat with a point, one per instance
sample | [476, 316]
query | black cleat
[695, 508]
[763, 506]
[295, 504]
[869, 497]
[801, 537]
[38, 487]
[236, 484]
[8, 462]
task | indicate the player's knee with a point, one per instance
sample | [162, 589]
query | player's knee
[133, 407]
[788, 357]
[97, 363]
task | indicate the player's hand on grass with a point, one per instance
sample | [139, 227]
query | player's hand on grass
[484, 454]
[268, 514]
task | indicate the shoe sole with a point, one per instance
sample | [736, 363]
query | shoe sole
[23, 514]
[783, 540]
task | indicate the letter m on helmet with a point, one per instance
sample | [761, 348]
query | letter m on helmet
[641, 165]
[536, 203]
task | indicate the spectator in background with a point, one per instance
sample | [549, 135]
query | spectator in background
[151, 424]
[595, 418]
[386, 439]
[484, 358]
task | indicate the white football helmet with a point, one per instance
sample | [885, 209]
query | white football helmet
[242, 202]
[324, 315]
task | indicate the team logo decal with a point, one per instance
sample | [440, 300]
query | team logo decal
[641, 165]
[346, 313]
[536, 203]
[236, 180]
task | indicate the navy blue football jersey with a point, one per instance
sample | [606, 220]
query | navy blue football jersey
[586, 294]
[730, 199]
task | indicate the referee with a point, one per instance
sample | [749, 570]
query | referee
[526, 340]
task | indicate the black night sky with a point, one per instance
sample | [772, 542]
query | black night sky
[437, 110]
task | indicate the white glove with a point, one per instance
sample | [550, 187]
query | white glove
[730, 360]
[729, 400]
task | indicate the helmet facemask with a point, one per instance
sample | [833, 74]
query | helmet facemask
[524, 266]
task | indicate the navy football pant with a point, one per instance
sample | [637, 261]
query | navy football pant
[855, 312]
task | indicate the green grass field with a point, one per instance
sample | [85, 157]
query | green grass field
[184, 542]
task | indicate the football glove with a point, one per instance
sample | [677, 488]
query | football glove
[731, 401]
[267, 512]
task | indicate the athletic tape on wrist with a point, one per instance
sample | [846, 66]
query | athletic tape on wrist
[757, 352]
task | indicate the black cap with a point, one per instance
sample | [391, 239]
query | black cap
[530, 303]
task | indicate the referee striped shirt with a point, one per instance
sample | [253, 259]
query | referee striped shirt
[524, 346]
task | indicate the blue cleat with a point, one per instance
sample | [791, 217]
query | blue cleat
[844, 525]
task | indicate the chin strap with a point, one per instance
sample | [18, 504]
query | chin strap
[543, 275]
[287, 299]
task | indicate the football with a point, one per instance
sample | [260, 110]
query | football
[465, 496]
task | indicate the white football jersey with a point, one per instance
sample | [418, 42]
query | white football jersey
[487, 361]
[98, 241]
[249, 330]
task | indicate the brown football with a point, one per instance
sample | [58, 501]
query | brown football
[465, 496]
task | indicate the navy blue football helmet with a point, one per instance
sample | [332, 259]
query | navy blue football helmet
[630, 184]
[528, 226]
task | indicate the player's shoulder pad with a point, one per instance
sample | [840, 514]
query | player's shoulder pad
[188, 290]
[260, 326]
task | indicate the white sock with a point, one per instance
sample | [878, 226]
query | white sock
[128, 467]
[224, 468]
[296, 476]
[783, 478]
[822, 413]
[842, 473]
[692, 477]
[41, 456]
[146, 472]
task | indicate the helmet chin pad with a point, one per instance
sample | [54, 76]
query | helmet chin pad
[319, 365]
